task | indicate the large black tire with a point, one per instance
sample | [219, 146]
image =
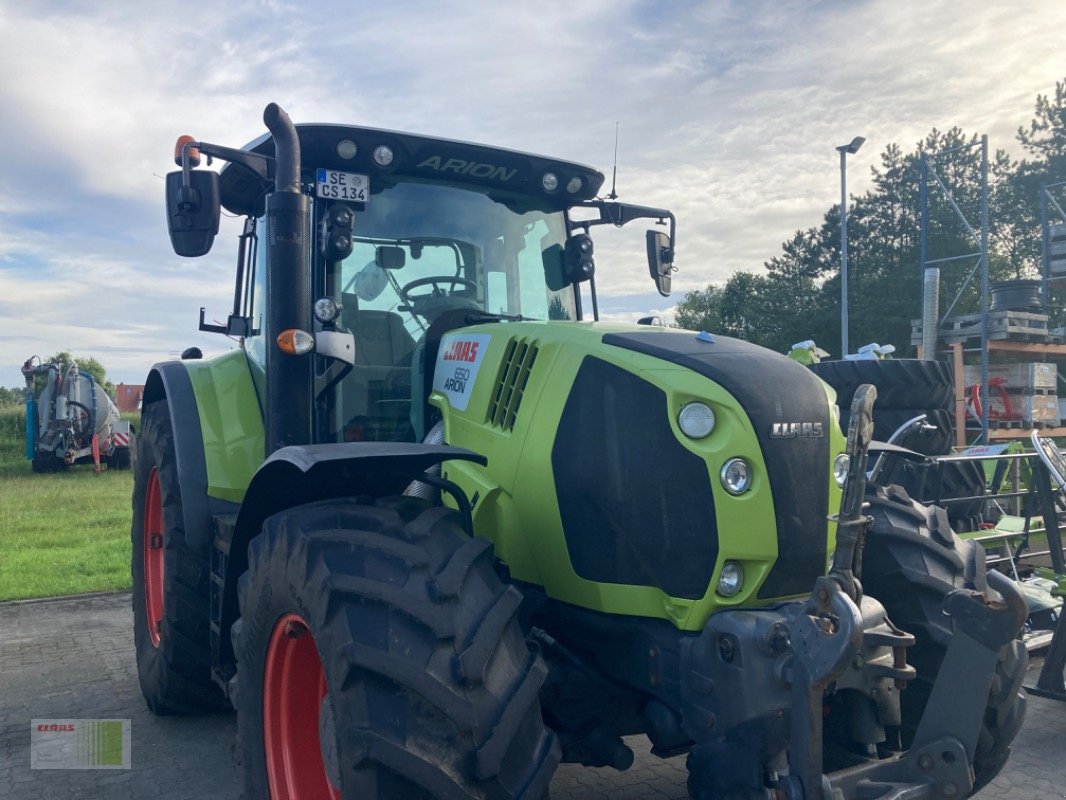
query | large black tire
[911, 562]
[900, 382]
[175, 673]
[431, 689]
[956, 479]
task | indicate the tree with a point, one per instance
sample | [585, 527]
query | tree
[797, 295]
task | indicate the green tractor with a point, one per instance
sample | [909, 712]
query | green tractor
[432, 531]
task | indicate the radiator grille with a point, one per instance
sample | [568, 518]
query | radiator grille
[511, 383]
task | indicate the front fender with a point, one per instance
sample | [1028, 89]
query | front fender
[297, 475]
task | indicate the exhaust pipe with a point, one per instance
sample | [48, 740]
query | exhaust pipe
[288, 287]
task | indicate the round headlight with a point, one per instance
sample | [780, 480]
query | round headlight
[347, 149]
[574, 185]
[695, 420]
[550, 181]
[382, 155]
[731, 579]
[326, 309]
[840, 469]
[736, 476]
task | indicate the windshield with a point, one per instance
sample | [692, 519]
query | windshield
[420, 251]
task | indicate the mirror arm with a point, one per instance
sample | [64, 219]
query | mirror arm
[619, 214]
[261, 166]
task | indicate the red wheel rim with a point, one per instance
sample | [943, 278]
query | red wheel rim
[154, 563]
[294, 687]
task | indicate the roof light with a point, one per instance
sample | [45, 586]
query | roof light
[194, 152]
[347, 149]
[574, 186]
[295, 342]
[550, 181]
[383, 155]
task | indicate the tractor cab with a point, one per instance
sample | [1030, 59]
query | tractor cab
[409, 237]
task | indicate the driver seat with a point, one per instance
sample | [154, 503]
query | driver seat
[377, 392]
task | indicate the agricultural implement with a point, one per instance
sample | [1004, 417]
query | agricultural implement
[71, 419]
[432, 530]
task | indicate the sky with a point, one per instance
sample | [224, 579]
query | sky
[729, 114]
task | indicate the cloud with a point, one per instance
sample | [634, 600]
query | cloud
[729, 112]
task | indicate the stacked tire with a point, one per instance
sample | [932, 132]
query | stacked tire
[907, 387]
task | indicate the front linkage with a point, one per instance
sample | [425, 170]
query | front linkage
[829, 634]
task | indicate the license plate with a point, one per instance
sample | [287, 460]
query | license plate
[334, 185]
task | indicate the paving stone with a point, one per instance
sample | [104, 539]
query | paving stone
[74, 659]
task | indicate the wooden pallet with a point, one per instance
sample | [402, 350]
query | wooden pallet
[1017, 326]
[1013, 424]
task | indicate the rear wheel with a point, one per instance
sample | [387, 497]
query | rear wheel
[379, 657]
[912, 560]
[171, 589]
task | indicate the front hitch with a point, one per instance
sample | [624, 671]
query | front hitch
[828, 633]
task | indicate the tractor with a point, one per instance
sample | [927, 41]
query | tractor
[433, 529]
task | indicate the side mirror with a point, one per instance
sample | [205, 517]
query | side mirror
[193, 211]
[660, 260]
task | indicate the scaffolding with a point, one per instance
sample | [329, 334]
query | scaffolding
[979, 236]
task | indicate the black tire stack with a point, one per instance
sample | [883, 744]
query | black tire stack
[907, 387]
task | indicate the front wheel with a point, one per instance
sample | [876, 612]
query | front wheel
[379, 657]
[911, 562]
[171, 582]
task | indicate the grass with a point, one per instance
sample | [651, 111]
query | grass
[63, 533]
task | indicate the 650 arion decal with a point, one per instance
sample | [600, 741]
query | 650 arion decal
[458, 362]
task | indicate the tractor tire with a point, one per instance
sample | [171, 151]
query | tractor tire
[171, 583]
[120, 459]
[957, 479]
[912, 560]
[379, 657]
[900, 382]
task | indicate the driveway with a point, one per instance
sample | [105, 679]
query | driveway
[73, 659]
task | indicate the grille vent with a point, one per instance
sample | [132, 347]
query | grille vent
[511, 383]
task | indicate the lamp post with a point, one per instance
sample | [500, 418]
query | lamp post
[852, 147]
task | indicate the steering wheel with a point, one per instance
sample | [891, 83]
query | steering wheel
[436, 281]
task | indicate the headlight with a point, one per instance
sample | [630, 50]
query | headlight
[736, 476]
[326, 309]
[550, 181]
[840, 469]
[731, 579]
[695, 420]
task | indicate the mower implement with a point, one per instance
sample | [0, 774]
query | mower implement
[434, 529]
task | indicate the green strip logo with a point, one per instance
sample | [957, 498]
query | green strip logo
[80, 744]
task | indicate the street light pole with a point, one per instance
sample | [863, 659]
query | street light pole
[844, 150]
